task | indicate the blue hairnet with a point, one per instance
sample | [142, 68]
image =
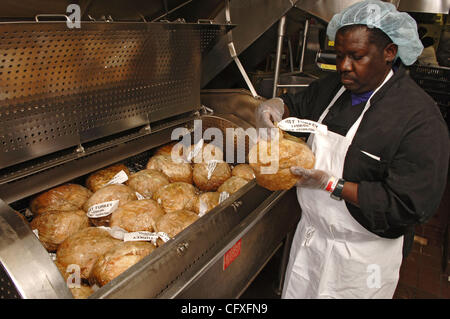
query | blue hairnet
[399, 26]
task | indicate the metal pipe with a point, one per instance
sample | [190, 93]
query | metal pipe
[173, 10]
[293, 85]
[233, 53]
[281, 29]
[291, 58]
[44, 15]
[305, 35]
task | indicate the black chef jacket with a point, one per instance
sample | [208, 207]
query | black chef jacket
[405, 129]
[343, 114]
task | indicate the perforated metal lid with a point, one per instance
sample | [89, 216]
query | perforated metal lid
[61, 87]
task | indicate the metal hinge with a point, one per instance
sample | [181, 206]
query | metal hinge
[182, 248]
[80, 149]
[205, 21]
[236, 205]
[206, 110]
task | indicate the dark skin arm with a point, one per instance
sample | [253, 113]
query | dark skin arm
[350, 193]
[286, 112]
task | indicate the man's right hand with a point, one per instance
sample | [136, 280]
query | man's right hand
[268, 112]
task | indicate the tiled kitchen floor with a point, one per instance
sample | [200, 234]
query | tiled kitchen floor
[422, 275]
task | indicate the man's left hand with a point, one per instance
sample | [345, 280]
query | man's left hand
[313, 178]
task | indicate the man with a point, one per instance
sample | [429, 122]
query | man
[428, 56]
[381, 168]
[443, 50]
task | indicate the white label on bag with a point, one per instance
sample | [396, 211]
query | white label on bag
[293, 124]
[223, 196]
[141, 236]
[165, 238]
[116, 232]
[102, 209]
[211, 167]
[122, 234]
[203, 208]
[139, 196]
[197, 148]
[119, 178]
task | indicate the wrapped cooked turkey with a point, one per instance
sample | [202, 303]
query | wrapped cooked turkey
[244, 171]
[272, 169]
[54, 227]
[206, 202]
[174, 222]
[103, 202]
[64, 198]
[84, 248]
[176, 196]
[137, 215]
[208, 176]
[79, 290]
[232, 185]
[203, 153]
[118, 259]
[148, 181]
[100, 178]
[167, 149]
[176, 171]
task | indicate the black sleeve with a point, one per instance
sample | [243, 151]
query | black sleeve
[300, 104]
[311, 101]
[415, 181]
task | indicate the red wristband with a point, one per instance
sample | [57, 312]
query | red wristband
[331, 184]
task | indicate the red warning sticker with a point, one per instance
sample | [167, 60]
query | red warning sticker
[232, 254]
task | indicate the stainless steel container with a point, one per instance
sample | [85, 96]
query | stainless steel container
[74, 101]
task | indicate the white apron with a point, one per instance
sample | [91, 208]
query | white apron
[332, 255]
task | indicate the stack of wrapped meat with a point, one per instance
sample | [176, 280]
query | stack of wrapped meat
[98, 230]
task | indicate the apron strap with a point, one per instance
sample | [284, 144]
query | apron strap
[336, 97]
[352, 131]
